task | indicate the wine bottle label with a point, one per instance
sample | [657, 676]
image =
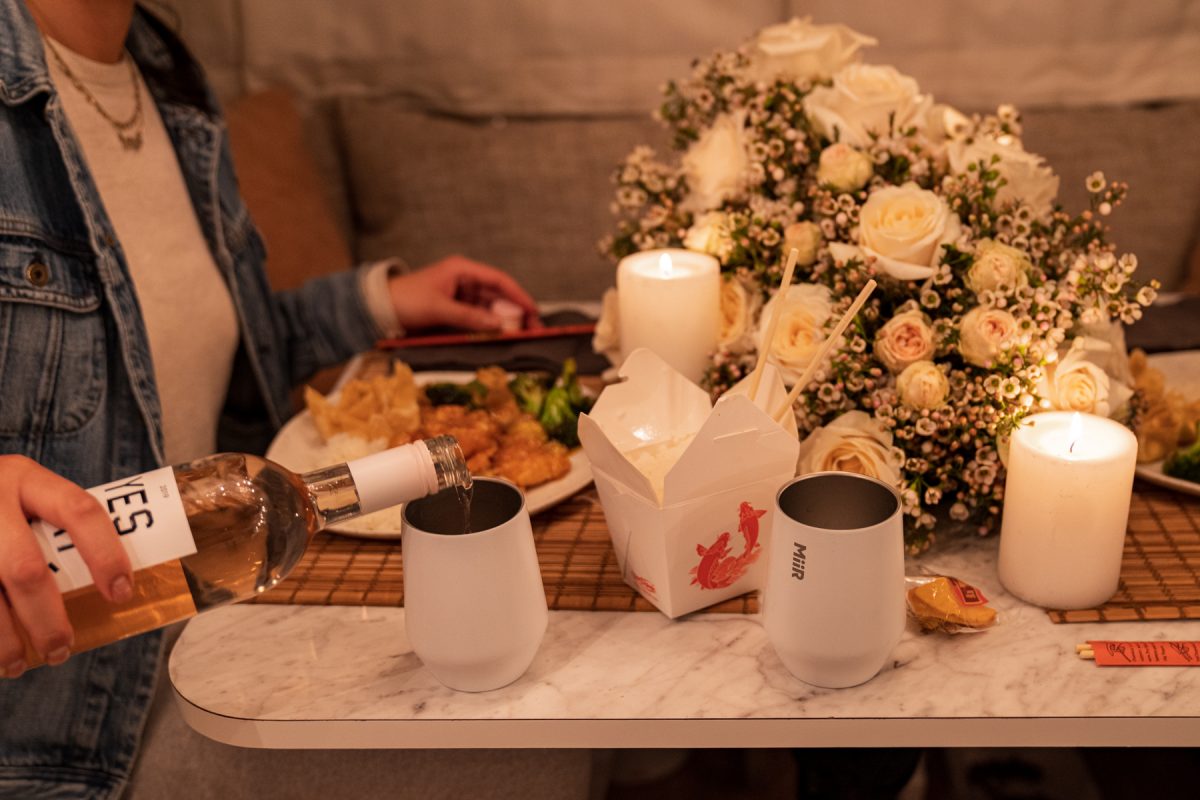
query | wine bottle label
[146, 512]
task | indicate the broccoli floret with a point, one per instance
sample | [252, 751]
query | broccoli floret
[558, 418]
[530, 393]
[569, 380]
[1185, 462]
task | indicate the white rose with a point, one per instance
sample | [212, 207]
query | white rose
[716, 163]
[997, 265]
[1078, 382]
[844, 168]
[1026, 177]
[905, 339]
[943, 124]
[904, 228]
[802, 317]
[854, 442]
[738, 307]
[805, 237]
[798, 50]
[710, 234]
[866, 99]
[922, 384]
[606, 339]
[983, 333]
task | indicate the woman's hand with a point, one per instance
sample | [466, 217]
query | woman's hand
[28, 594]
[457, 292]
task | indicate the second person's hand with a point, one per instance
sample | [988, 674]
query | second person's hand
[457, 292]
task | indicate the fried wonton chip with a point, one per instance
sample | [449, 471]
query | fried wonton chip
[378, 407]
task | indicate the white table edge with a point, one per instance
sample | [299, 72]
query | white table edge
[273, 677]
[697, 733]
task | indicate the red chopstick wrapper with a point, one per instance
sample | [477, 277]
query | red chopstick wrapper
[1146, 654]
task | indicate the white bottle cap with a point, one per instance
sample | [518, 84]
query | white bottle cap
[394, 476]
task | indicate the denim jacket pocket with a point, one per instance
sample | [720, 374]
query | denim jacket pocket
[52, 339]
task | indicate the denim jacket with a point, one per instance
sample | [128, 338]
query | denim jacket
[77, 390]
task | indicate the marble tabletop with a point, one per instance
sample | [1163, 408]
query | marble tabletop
[345, 677]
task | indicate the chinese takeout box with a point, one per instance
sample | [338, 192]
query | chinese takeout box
[687, 487]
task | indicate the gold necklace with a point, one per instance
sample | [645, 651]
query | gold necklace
[129, 131]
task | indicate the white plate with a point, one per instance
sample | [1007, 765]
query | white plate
[298, 446]
[1182, 371]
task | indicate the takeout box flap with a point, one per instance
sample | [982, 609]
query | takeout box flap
[653, 403]
[738, 444]
[771, 396]
[606, 459]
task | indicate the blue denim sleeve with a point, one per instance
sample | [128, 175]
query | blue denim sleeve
[324, 322]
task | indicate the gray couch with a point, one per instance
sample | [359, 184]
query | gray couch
[492, 129]
[533, 194]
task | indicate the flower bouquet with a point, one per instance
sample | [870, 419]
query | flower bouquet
[993, 301]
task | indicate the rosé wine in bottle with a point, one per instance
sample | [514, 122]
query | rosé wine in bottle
[228, 527]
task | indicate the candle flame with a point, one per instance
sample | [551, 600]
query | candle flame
[1076, 431]
[665, 267]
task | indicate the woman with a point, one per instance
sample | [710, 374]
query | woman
[137, 329]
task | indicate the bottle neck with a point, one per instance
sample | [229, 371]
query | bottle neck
[333, 494]
[448, 463]
[386, 479]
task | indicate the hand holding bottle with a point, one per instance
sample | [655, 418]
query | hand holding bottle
[30, 597]
[200, 535]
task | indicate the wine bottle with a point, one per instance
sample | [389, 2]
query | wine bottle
[227, 527]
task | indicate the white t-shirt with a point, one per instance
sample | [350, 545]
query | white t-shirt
[188, 312]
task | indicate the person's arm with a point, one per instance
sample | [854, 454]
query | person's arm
[28, 594]
[328, 319]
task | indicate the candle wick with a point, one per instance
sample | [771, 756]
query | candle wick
[1071, 449]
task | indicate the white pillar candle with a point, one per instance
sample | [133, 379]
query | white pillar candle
[670, 302]
[1066, 508]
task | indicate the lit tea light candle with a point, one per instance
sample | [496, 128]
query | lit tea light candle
[669, 301]
[1066, 508]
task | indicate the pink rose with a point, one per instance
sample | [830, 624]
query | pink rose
[905, 339]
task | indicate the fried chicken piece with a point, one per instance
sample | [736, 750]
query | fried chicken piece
[528, 463]
[1158, 432]
[477, 432]
[499, 399]
[524, 429]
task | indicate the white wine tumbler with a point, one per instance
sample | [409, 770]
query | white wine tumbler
[474, 606]
[833, 607]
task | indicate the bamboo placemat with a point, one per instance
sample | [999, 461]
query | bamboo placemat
[1160, 575]
[1160, 571]
[579, 567]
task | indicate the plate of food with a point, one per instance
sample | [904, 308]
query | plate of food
[1168, 450]
[517, 426]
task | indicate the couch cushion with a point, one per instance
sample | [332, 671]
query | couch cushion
[286, 195]
[529, 195]
[1156, 150]
[532, 195]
